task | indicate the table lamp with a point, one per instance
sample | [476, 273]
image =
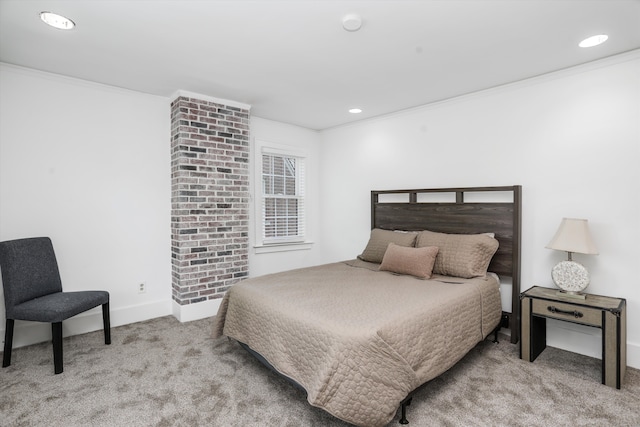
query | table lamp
[570, 276]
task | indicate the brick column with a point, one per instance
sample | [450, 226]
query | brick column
[209, 198]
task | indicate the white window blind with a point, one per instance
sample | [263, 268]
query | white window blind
[283, 210]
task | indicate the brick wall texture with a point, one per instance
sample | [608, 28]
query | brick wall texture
[209, 198]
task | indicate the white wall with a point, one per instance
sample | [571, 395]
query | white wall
[88, 165]
[571, 139]
[295, 138]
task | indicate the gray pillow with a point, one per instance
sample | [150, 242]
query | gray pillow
[380, 239]
[460, 255]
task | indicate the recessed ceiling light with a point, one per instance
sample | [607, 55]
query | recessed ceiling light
[355, 111]
[57, 21]
[594, 40]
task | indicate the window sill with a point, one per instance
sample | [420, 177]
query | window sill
[282, 247]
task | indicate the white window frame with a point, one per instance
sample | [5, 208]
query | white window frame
[264, 244]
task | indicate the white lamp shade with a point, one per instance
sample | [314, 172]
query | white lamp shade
[573, 236]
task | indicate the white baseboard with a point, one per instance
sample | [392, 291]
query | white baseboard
[633, 351]
[574, 338]
[201, 310]
[633, 354]
[27, 333]
[585, 340]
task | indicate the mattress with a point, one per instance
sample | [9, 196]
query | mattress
[357, 339]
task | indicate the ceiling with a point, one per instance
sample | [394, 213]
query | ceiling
[293, 62]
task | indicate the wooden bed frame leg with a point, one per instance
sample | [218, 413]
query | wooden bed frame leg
[403, 409]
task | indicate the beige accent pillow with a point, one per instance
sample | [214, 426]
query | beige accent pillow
[416, 262]
[460, 255]
[380, 239]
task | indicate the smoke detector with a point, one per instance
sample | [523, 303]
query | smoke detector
[352, 22]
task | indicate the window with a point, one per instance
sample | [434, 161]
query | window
[282, 204]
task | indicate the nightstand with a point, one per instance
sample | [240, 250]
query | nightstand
[607, 313]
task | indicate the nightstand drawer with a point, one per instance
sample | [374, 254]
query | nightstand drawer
[569, 312]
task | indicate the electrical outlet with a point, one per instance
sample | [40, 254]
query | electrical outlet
[142, 288]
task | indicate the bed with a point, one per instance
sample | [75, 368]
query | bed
[359, 336]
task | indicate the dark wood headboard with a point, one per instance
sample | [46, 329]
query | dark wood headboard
[415, 210]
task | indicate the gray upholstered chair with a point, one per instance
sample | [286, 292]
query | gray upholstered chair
[33, 291]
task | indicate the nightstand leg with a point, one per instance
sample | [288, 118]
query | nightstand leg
[538, 336]
[533, 333]
[613, 349]
[525, 329]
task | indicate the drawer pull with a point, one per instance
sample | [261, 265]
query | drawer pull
[574, 313]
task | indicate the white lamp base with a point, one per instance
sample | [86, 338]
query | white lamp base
[573, 295]
[570, 276]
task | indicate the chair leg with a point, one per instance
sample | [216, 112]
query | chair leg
[56, 331]
[8, 343]
[106, 323]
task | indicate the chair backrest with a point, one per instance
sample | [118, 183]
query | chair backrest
[29, 270]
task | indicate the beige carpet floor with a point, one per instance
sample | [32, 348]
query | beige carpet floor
[164, 373]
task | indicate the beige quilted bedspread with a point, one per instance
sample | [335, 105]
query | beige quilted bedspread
[356, 339]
